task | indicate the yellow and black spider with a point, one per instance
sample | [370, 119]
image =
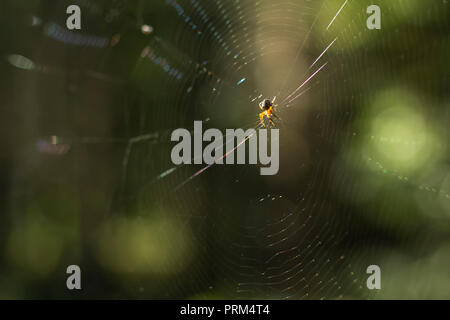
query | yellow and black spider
[267, 106]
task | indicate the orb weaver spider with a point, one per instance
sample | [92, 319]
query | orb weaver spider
[267, 106]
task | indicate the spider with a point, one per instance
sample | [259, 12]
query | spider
[267, 106]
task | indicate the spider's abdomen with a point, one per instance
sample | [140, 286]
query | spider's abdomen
[266, 104]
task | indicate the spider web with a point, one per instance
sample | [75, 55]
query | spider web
[281, 248]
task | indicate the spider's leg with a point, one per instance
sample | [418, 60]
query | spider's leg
[261, 117]
[271, 121]
[275, 107]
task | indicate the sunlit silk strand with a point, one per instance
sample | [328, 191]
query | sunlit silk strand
[339, 11]
[324, 51]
